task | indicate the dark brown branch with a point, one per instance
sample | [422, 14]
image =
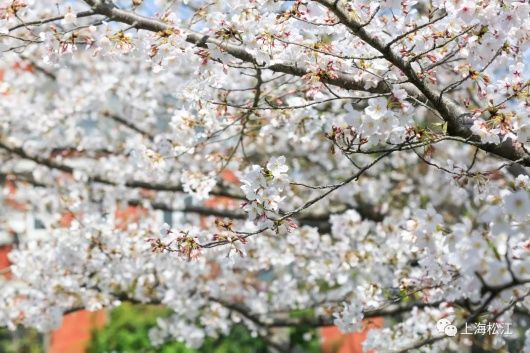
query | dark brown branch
[320, 221]
[50, 163]
[154, 25]
[51, 19]
[129, 125]
[458, 119]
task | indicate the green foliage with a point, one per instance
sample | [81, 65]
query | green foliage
[304, 340]
[127, 332]
[128, 327]
[21, 341]
[238, 341]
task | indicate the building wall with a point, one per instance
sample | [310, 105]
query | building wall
[74, 334]
[4, 261]
[334, 341]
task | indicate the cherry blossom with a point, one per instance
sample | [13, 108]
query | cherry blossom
[376, 108]
[238, 161]
[350, 319]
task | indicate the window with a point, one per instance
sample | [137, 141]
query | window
[168, 217]
[38, 223]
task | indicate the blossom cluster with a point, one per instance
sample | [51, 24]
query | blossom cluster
[263, 188]
[359, 158]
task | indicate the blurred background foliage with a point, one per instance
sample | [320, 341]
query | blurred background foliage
[127, 332]
[21, 341]
[128, 327]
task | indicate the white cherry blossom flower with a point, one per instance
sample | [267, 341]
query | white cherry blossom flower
[377, 107]
[277, 167]
[350, 319]
[70, 17]
[517, 204]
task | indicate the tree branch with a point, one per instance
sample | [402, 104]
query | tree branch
[50, 163]
[458, 119]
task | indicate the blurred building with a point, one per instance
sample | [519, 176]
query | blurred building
[334, 341]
